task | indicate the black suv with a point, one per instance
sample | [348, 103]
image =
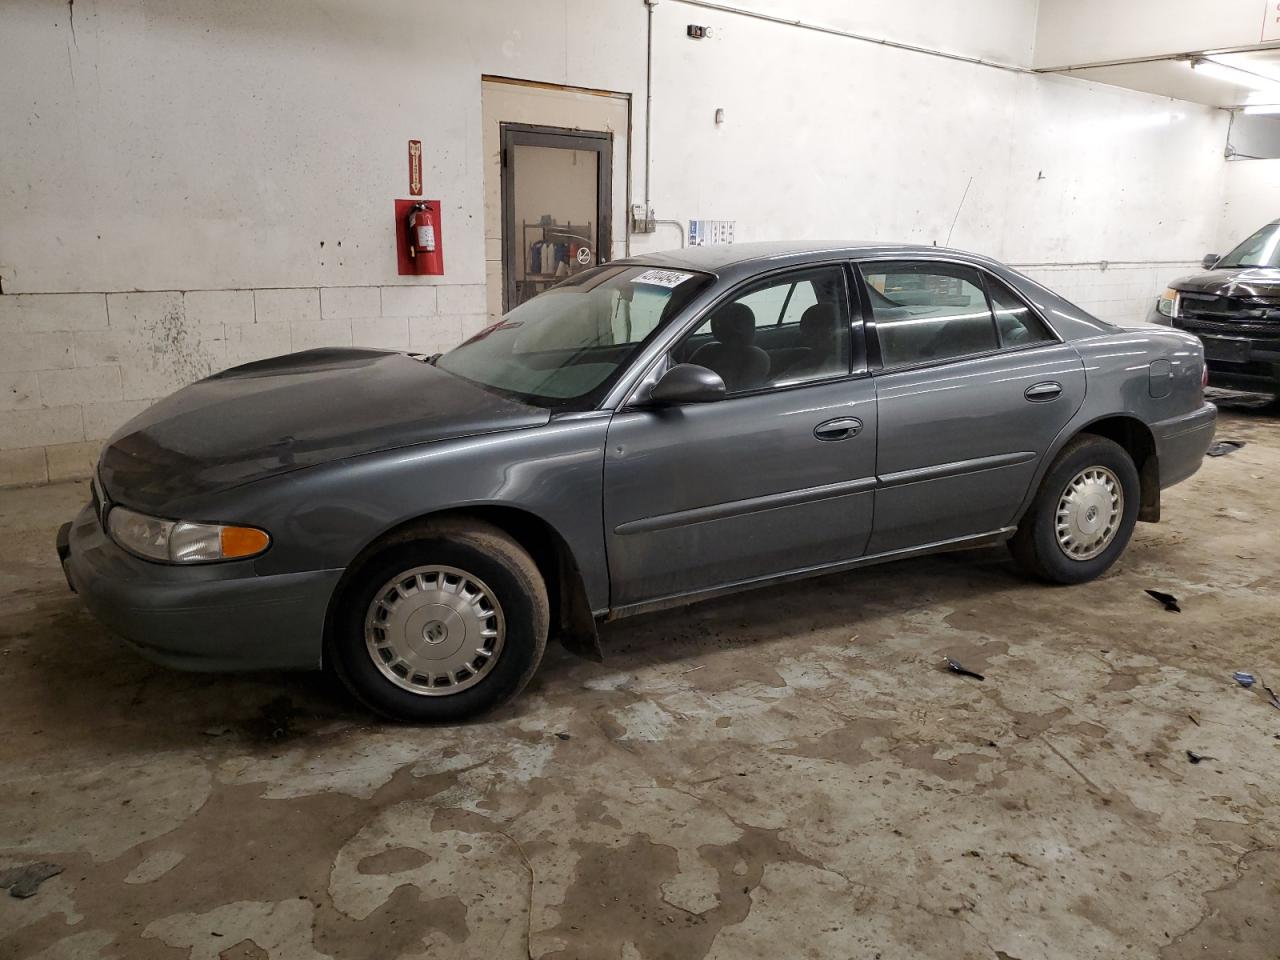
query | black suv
[1234, 308]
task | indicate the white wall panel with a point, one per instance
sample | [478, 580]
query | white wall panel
[827, 138]
[999, 30]
[199, 153]
[1252, 199]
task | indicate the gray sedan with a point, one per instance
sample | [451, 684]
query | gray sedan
[650, 432]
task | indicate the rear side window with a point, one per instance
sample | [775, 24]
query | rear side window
[925, 312]
[1015, 322]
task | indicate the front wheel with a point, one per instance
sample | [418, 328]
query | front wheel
[1083, 514]
[441, 625]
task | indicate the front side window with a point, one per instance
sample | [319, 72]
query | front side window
[569, 344]
[781, 331]
[925, 312]
[1260, 250]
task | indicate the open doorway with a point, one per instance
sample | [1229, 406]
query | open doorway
[556, 184]
[556, 206]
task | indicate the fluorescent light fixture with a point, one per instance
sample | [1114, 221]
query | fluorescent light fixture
[1249, 63]
[1261, 89]
[1264, 109]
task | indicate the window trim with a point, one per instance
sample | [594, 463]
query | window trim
[876, 363]
[854, 299]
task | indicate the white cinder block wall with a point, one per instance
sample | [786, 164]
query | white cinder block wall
[188, 186]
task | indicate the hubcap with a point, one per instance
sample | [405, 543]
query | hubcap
[434, 630]
[1089, 513]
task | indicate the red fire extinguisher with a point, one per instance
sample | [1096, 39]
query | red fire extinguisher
[424, 241]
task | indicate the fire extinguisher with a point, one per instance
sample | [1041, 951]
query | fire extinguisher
[423, 239]
[422, 230]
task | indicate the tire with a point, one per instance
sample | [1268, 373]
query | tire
[1071, 556]
[428, 599]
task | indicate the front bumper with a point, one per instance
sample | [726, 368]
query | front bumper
[1181, 443]
[220, 616]
[1239, 356]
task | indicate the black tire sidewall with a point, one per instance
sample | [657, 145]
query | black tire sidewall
[522, 648]
[1052, 561]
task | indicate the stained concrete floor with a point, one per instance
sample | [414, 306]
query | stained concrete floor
[781, 774]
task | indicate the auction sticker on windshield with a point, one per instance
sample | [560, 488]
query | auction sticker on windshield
[662, 278]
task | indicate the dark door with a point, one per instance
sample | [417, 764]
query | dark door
[972, 390]
[556, 203]
[777, 477]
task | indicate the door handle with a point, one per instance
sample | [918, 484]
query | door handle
[1043, 392]
[839, 429]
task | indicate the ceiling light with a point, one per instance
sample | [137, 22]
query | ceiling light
[1262, 108]
[1232, 75]
[1261, 89]
[1249, 63]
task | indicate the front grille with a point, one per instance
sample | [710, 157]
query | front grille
[1220, 314]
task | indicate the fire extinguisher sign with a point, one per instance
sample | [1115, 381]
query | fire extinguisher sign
[415, 168]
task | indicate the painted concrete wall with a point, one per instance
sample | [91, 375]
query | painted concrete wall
[1251, 199]
[172, 169]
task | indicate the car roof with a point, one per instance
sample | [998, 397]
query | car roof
[732, 263]
[746, 258]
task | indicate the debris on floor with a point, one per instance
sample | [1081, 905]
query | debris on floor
[1272, 699]
[956, 667]
[1244, 679]
[1168, 599]
[1197, 758]
[24, 881]
[274, 720]
[1222, 447]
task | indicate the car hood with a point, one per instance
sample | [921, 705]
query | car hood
[295, 411]
[1233, 282]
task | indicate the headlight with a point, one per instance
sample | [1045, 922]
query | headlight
[173, 541]
[1167, 305]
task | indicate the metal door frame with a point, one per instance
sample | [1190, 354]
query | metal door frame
[564, 138]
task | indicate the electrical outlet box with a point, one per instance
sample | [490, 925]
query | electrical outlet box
[696, 32]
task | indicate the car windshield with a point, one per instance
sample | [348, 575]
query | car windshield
[569, 344]
[1260, 250]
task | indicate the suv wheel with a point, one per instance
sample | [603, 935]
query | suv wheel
[441, 625]
[1083, 514]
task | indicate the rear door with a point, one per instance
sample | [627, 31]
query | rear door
[972, 386]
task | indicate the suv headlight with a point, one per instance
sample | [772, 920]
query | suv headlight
[176, 541]
[1167, 305]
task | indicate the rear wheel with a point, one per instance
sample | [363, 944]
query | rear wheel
[442, 624]
[1083, 514]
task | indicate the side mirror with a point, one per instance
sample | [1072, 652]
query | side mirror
[1210, 261]
[687, 383]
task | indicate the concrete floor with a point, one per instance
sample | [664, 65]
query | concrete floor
[783, 774]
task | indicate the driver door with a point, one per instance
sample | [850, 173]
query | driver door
[778, 476]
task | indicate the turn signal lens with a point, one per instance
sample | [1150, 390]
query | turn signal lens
[243, 542]
[171, 541]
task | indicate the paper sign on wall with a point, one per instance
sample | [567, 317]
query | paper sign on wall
[703, 232]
